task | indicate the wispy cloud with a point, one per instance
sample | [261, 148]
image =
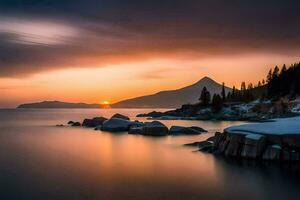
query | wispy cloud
[36, 32]
[38, 35]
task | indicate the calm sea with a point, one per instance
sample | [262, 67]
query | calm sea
[44, 162]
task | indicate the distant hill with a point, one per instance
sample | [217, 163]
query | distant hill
[173, 98]
[58, 104]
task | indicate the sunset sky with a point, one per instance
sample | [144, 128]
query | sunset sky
[108, 50]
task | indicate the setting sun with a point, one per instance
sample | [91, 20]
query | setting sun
[105, 102]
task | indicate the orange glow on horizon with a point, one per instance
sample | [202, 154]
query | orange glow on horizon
[114, 83]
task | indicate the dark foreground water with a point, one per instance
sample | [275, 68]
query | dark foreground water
[44, 162]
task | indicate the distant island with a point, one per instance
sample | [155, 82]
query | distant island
[58, 104]
[163, 99]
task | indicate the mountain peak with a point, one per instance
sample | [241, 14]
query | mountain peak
[206, 80]
[173, 98]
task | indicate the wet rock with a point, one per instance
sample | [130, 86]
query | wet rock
[194, 144]
[290, 155]
[234, 144]
[117, 125]
[254, 145]
[197, 128]
[294, 155]
[120, 116]
[206, 146]
[136, 130]
[154, 128]
[181, 130]
[70, 122]
[272, 153]
[286, 155]
[291, 141]
[218, 138]
[76, 124]
[97, 121]
[151, 114]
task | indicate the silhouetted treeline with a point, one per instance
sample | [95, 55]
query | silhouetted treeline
[242, 95]
[284, 81]
[279, 83]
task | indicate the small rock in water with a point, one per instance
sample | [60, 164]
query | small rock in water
[197, 128]
[120, 116]
[96, 121]
[76, 124]
[181, 130]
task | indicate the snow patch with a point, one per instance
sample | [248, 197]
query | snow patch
[282, 126]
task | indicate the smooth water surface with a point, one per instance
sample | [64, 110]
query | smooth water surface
[44, 162]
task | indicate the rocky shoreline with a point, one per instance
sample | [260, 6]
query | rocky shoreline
[277, 140]
[255, 111]
[242, 142]
[120, 123]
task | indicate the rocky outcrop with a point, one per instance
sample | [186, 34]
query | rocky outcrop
[120, 116]
[232, 111]
[272, 152]
[181, 130]
[95, 122]
[117, 125]
[252, 146]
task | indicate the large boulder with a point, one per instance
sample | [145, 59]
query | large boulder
[154, 128]
[95, 122]
[120, 116]
[117, 125]
[179, 130]
[272, 153]
[136, 129]
[233, 144]
[254, 145]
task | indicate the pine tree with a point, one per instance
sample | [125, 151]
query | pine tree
[233, 94]
[275, 72]
[243, 92]
[217, 103]
[205, 97]
[259, 84]
[223, 92]
[269, 76]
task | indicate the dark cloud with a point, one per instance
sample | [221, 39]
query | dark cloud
[106, 30]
